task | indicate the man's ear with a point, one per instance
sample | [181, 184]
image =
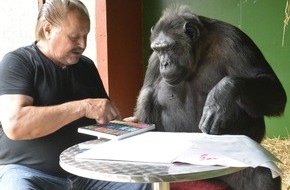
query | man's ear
[47, 27]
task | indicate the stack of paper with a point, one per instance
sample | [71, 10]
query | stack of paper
[192, 148]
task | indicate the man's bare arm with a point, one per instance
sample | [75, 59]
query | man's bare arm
[20, 120]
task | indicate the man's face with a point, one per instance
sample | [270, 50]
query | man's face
[69, 40]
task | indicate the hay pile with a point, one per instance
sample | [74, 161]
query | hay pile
[280, 147]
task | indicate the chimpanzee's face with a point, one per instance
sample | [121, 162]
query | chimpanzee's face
[172, 44]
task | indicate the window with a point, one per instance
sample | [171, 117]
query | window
[18, 23]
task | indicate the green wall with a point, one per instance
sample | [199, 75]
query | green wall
[262, 20]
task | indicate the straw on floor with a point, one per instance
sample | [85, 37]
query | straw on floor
[280, 147]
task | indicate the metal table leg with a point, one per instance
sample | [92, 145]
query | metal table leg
[161, 186]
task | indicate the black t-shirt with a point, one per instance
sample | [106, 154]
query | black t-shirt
[29, 72]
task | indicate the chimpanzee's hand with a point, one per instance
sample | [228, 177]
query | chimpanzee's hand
[220, 107]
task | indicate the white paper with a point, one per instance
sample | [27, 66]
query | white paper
[147, 147]
[228, 150]
[192, 148]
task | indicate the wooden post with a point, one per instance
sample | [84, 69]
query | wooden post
[119, 50]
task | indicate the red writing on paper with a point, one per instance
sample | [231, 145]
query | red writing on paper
[206, 157]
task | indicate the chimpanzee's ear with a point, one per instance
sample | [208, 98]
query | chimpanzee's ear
[152, 28]
[191, 30]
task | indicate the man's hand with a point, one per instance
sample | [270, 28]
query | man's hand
[102, 110]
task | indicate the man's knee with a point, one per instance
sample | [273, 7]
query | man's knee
[12, 178]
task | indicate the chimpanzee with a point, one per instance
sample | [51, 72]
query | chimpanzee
[206, 75]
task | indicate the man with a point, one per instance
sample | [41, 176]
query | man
[47, 91]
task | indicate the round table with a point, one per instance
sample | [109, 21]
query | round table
[160, 175]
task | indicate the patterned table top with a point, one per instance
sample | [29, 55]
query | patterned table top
[121, 171]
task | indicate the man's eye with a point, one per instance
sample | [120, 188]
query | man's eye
[72, 38]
